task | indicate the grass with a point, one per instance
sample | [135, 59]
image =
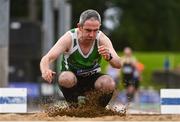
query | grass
[153, 61]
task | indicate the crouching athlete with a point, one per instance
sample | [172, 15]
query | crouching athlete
[82, 49]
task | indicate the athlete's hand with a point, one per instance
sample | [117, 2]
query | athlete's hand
[104, 51]
[48, 75]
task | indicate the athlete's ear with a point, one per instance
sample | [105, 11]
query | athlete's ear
[79, 26]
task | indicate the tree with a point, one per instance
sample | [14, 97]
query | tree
[149, 25]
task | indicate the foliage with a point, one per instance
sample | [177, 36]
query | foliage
[145, 25]
[150, 24]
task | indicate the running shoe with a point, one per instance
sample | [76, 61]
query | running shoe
[119, 108]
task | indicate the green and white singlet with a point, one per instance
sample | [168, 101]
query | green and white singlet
[82, 65]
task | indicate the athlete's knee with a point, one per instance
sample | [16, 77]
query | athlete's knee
[105, 83]
[67, 79]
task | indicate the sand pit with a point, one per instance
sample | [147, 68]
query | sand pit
[128, 117]
[88, 112]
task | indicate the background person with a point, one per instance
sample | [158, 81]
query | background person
[131, 72]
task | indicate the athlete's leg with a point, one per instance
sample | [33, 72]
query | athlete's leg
[67, 79]
[67, 83]
[107, 85]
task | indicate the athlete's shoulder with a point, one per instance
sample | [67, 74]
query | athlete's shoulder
[102, 35]
[103, 38]
[73, 30]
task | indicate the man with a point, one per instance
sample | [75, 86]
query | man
[82, 49]
[130, 73]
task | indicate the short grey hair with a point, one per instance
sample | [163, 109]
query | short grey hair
[88, 14]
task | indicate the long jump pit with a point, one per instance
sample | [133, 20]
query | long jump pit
[42, 116]
[87, 112]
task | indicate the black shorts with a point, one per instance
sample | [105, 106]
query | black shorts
[132, 82]
[83, 85]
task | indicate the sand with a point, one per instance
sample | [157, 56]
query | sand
[87, 112]
[129, 117]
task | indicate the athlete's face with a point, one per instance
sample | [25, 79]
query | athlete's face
[90, 29]
[128, 52]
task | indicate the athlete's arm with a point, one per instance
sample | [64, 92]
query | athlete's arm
[61, 46]
[107, 51]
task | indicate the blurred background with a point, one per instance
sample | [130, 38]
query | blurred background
[29, 28]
